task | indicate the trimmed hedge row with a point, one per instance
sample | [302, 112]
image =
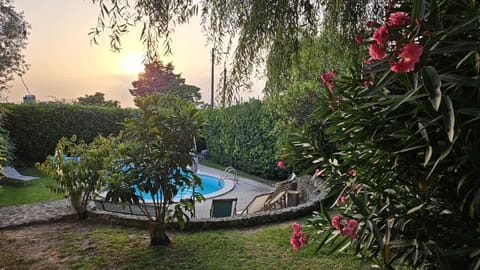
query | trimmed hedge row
[243, 136]
[36, 128]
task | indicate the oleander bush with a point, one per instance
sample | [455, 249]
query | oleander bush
[405, 126]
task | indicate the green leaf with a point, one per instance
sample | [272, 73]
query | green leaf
[428, 155]
[449, 117]
[432, 84]
[418, 11]
[389, 75]
[415, 209]
[461, 80]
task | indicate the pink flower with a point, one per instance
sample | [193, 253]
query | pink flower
[427, 33]
[298, 238]
[411, 52]
[389, 5]
[381, 35]
[370, 23]
[399, 18]
[281, 164]
[419, 21]
[328, 77]
[409, 56]
[352, 172]
[342, 200]
[376, 52]
[318, 173]
[358, 39]
[350, 228]
[336, 222]
[352, 223]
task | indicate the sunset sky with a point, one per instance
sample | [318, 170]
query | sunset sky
[65, 66]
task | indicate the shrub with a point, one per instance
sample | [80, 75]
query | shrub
[243, 136]
[35, 129]
[76, 169]
[408, 125]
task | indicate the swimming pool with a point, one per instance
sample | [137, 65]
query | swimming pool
[211, 187]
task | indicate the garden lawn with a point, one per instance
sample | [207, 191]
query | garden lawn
[15, 192]
[85, 245]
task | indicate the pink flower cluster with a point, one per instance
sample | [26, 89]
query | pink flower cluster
[298, 238]
[281, 164]
[347, 229]
[395, 39]
[328, 79]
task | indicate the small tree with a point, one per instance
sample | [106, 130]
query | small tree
[76, 169]
[160, 79]
[98, 99]
[155, 158]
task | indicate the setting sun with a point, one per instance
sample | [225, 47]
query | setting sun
[132, 63]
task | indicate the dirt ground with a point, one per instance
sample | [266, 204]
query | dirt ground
[36, 246]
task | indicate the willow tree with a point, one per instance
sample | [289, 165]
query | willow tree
[13, 39]
[249, 30]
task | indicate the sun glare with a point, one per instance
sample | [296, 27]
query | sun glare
[132, 63]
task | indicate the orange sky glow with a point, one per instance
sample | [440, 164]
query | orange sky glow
[64, 65]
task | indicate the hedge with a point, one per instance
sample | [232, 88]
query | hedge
[243, 136]
[36, 128]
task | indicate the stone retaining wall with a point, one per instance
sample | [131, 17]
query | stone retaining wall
[311, 195]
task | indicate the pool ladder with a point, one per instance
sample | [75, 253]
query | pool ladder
[229, 173]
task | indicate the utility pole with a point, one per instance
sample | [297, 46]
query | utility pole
[213, 77]
[224, 83]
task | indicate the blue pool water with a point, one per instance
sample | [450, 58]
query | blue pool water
[209, 185]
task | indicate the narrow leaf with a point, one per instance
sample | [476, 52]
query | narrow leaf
[449, 117]
[415, 209]
[428, 155]
[461, 80]
[381, 83]
[432, 84]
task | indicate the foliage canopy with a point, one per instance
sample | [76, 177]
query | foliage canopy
[13, 39]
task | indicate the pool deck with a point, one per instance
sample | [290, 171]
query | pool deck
[21, 215]
[245, 191]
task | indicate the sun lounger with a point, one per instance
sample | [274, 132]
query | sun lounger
[12, 173]
[257, 204]
[272, 200]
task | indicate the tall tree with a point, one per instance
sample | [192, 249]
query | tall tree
[160, 79]
[13, 39]
[97, 99]
[259, 28]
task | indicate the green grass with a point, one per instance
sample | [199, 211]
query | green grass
[265, 247]
[14, 192]
[240, 173]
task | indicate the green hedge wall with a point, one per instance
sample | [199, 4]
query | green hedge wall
[243, 136]
[36, 128]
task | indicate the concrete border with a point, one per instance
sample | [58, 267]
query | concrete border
[312, 194]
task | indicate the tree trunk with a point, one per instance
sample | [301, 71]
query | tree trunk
[78, 207]
[158, 237]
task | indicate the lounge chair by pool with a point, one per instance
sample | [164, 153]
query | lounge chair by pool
[12, 173]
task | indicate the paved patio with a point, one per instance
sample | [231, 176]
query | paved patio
[12, 216]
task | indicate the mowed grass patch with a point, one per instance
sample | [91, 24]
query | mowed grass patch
[82, 245]
[16, 192]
